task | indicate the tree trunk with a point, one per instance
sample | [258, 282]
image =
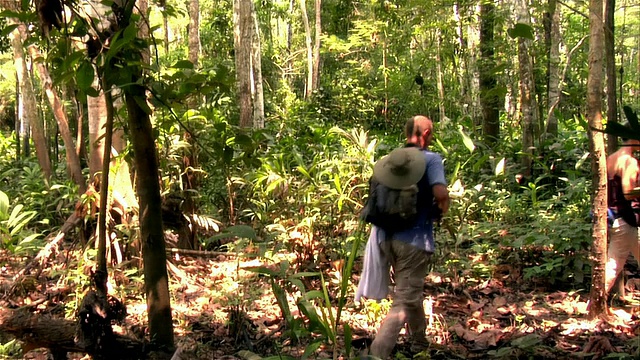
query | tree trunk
[143, 27]
[463, 61]
[194, 32]
[610, 55]
[597, 305]
[440, 82]
[489, 99]
[527, 98]
[18, 123]
[156, 280]
[73, 161]
[257, 92]
[165, 28]
[151, 230]
[473, 68]
[307, 36]
[189, 159]
[242, 45]
[316, 47]
[552, 29]
[97, 117]
[30, 115]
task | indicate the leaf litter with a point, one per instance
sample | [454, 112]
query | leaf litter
[223, 311]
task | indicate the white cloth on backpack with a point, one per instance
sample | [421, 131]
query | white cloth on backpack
[374, 281]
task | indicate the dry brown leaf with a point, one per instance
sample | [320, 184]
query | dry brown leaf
[499, 301]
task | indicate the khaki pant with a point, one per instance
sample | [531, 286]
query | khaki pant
[623, 239]
[410, 267]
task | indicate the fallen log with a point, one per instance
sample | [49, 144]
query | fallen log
[37, 331]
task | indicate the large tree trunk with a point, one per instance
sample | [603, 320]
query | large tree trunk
[257, 91]
[527, 97]
[29, 102]
[489, 98]
[609, 44]
[242, 45]
[73, 161]
[598, 304]
[307, 36]
[552, 35]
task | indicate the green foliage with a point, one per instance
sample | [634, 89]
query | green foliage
[14, 235]
[11, 349]
[321, 317]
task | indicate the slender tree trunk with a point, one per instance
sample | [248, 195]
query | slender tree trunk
[30, 115]
[290, 63]
[165, 28]
[97, 117]
[143, 27]
[104, 191]
[73, 161]
[257, 91]
[316, 47]
[440, 82]
[473, 70]
[598, 304]
[489, 98]
[527, 97]
[463, 60]
[194, 32]
[553, 66]
[242, 45]
[610, 55]
[307, 36]
[151, 229]
[190, 159]
[18, 122]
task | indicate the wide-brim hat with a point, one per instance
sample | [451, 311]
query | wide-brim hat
[401, 168]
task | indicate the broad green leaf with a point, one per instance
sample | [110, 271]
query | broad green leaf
[314, 294]
[30, 238]
[521, 30]
[142, 103]
[4, 206]
[527, 341]
[241, 231]
[183, 64]
[632, 117]
[311, 348]
[248, 355]
[348, 337]
[467, 140]
[85, 75]
[261, 270]
[8, 29]
[304, 274]
[500, 167]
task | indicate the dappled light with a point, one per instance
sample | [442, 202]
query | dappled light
[195, 179]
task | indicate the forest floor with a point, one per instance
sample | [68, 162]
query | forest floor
[223, 311]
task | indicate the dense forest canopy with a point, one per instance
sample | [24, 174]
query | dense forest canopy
[134, 129]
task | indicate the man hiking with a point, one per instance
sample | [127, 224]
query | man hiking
[407, 251]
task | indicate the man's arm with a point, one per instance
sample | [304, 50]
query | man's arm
[441, 196]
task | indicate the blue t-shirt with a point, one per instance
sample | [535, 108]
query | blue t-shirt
[421, 235]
